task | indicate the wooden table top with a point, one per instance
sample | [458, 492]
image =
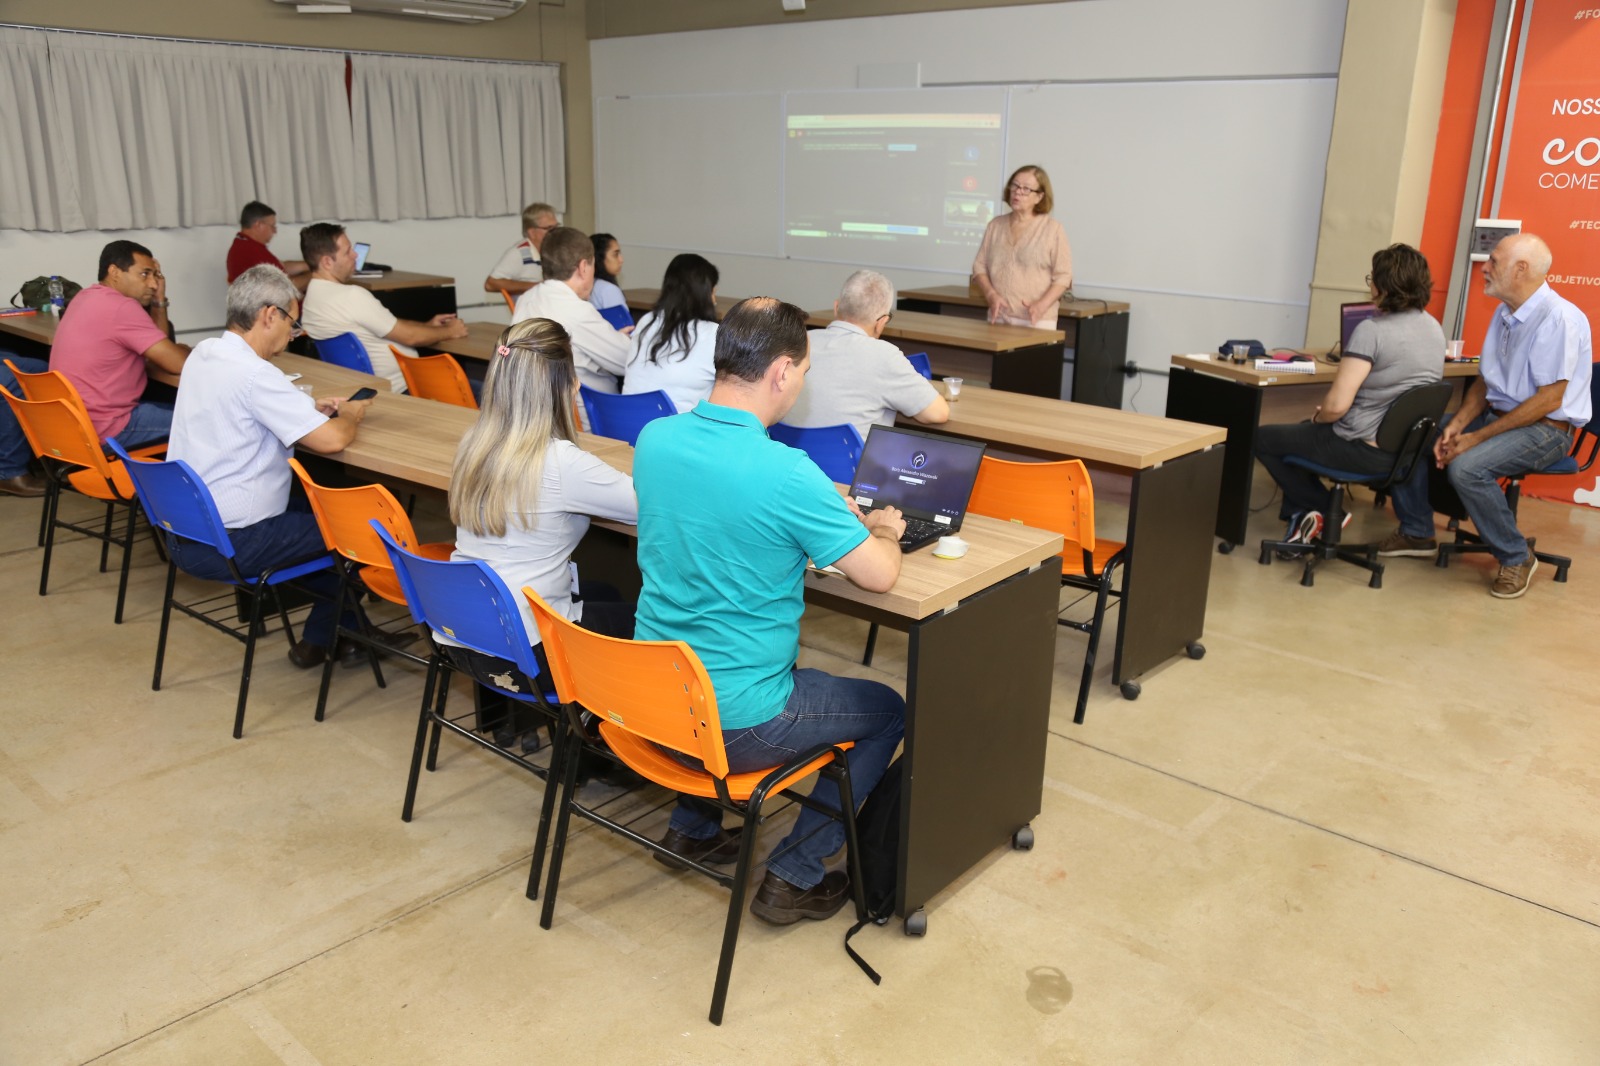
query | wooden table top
[415, 440]
[952, 332]
[1105, 435]
[402, 279]
[1247, 374]
[1071, 307]
[38, 327]
[479, 343]
[327, 379]
[642, 300]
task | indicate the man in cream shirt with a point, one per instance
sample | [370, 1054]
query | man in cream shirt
[334, 306]
[599, 350]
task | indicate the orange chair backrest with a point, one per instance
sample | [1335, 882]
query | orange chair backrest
[1055, 496]
[435, 377]
[46, 385]
[511, 302]
[58, 429]
[343, 514]
[656, 689]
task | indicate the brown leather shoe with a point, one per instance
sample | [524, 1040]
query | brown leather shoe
[1513, 581]
[713, 851]
[23, 485]
[778, 902]
[304, 654]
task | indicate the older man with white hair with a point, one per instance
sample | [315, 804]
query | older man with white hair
[1532, 390]
[855, 376]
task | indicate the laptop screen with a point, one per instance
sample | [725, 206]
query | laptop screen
[1351, 316]
[926, 475]
[361, 255]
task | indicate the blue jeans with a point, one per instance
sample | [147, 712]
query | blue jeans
[821, 709]
[148, 422]
[1475, 474]
[290, 537]
[14, 449]
[1304, 491]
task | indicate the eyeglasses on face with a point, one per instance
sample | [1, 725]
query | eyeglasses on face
[1029, 189]
[295, 328]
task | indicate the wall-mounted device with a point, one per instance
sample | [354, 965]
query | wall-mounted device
[1488, 232]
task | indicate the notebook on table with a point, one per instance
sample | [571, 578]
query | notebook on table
[928, 476]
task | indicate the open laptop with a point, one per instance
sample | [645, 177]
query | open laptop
[928, 476]
[362, 270]
[1351, 316]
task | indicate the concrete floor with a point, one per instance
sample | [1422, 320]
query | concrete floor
[1362, 830]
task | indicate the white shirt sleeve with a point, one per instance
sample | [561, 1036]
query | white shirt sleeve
[591, 486]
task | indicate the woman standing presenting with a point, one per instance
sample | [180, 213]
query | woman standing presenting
[1024, 263]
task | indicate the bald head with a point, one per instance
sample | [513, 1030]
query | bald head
[1516, 268]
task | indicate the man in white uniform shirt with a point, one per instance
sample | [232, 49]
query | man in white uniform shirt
[519, 269]
[855, 376]
[236, 421]
[333, 306]
[599, 350]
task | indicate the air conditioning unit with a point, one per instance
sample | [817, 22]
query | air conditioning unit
[452, 10]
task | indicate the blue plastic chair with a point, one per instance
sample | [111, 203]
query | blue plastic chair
[837, 449]
[345, 350]
[469, 603]
[919, 362]
[176, 500]
[622, 417]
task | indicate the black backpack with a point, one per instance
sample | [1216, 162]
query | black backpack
[878, 834]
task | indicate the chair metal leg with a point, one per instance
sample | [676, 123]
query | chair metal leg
[327, 662]
[852, 848]
[872, 644]
[423, 718]
[105, 534]
[1101, 595]
[49, 542]
[250, 653]
[560, 738]
[558, 847]
[127, 561]
[445, 674]
[166, 619]
[730, 930]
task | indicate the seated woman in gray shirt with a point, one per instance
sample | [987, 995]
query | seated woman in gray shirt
[522, 493]
[1398, 349]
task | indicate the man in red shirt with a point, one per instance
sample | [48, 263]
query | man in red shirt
[113, 339]
[258, 224]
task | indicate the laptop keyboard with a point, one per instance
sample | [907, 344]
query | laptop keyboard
[919, 531]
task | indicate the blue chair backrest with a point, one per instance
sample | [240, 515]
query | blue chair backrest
[345, 350]
[176, 500]
[837, 449]
[622, 417]
[466, 601]
[919, 363]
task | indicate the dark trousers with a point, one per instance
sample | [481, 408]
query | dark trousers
[291, 537]
[1303, 490]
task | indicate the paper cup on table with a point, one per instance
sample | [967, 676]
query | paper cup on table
[952, 386]
[951, 547]
[1452, 350]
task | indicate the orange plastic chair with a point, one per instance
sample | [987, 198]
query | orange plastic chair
[436, 377]
[66, 443]
[511, 304]
[1059, 497]
[344, 516]
[650, 693]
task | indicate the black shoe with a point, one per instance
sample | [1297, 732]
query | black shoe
[714, 851]
[305, 655]
[778, 902]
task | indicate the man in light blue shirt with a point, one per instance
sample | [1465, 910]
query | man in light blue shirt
[727, 519]
[1532, 390]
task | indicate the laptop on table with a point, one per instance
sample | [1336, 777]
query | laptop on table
[362, 270]
[928, 476]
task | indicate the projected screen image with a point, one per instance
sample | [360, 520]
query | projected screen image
[893, 188]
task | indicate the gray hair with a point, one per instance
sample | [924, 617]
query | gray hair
[260, 286]
[866, 297]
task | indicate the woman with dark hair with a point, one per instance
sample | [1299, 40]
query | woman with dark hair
[673, 347]
[606, 297]
[1399, 348]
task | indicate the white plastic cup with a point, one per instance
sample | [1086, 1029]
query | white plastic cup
[951, 547]
[952, 386]
[1241, 353]
[309, 390]
[1452, 350]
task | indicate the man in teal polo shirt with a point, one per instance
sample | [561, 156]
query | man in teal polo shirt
[727, 519]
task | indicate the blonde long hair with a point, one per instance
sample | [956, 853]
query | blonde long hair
[527, 403]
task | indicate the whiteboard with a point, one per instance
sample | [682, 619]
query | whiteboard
[1201, 187]
[697, 173]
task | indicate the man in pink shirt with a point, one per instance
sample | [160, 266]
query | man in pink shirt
[113, 339]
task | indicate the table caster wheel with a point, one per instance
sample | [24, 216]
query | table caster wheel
[1131, 690]
[1225, 548]
[1196, 650]
[1022, 839]
[917, 923]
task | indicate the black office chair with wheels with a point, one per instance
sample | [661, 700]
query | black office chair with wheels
[1578, 460]
[1405, 432]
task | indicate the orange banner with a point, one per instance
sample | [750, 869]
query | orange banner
[1552, 175]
